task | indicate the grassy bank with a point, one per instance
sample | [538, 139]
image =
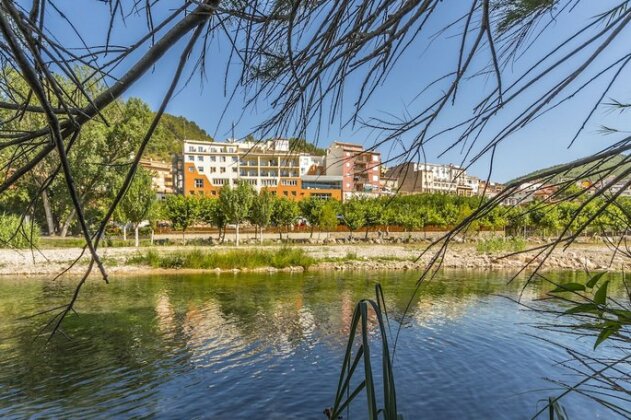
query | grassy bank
[237, 258]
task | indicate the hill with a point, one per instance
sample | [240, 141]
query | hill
[303, 146]
[615, 162]
[173, 129]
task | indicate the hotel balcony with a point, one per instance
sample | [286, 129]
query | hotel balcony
[252, 163]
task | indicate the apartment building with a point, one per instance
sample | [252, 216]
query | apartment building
[312, 165]
[412, 178]
[161, 176]
[490, 189]
[359, 169]
[207, 166]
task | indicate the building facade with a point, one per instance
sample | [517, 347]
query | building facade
[207, 166]
[413, 178]
[161, 176]
[359, 169]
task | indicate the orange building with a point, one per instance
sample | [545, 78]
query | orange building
[208, 166]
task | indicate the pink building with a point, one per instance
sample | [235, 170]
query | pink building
[360, 169]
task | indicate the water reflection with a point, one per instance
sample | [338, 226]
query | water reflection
[268, 346]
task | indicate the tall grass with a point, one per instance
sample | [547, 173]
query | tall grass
[16, 232]
[238, 258]
[496, 245]
[346, 392]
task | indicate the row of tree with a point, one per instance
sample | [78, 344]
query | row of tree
[240, 205]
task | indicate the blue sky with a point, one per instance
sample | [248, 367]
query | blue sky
[541, 144]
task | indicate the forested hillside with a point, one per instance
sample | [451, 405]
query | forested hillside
[619, 164]
[303, 146]
[174, 129]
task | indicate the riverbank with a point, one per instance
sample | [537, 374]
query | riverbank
[130, 261]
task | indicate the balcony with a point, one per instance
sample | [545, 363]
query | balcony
[289, 164]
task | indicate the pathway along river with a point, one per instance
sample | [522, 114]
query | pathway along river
[270, 346]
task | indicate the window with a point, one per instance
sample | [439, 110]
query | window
[213, 159]
[222, 158]
[375, 178]
[199, 183]
[190, 169]
[191, 158]
[200, 149]
[200, 169]
[234, 169]
[293, 193]
[191, 148]
[234, 159]
[285, 193]
[375, 158]
[200, 158]
[222, 170]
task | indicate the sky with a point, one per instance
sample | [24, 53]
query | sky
[541, 144]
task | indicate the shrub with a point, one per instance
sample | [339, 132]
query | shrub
[496, 245]
[198, 259]
[17, 233]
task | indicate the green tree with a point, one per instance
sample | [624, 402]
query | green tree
[236, 203]
[518, 221]
[310, 209]
[261, 211]
[212, 214]
[285, 213]
[327, 217]
[387, 216]
[182, 211]
[410, 217]
[545, 218]
[138, 201]
[353, 215]
[373, 209]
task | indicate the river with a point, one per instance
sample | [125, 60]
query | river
[271, 345]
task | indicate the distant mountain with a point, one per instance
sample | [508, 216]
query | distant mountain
[614, 162]
[174, 130]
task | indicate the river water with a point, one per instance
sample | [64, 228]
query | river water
[271, 346]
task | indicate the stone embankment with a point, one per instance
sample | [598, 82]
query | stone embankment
[358, 256]
[576, 258]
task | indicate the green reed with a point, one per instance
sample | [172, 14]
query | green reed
[344, 394]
